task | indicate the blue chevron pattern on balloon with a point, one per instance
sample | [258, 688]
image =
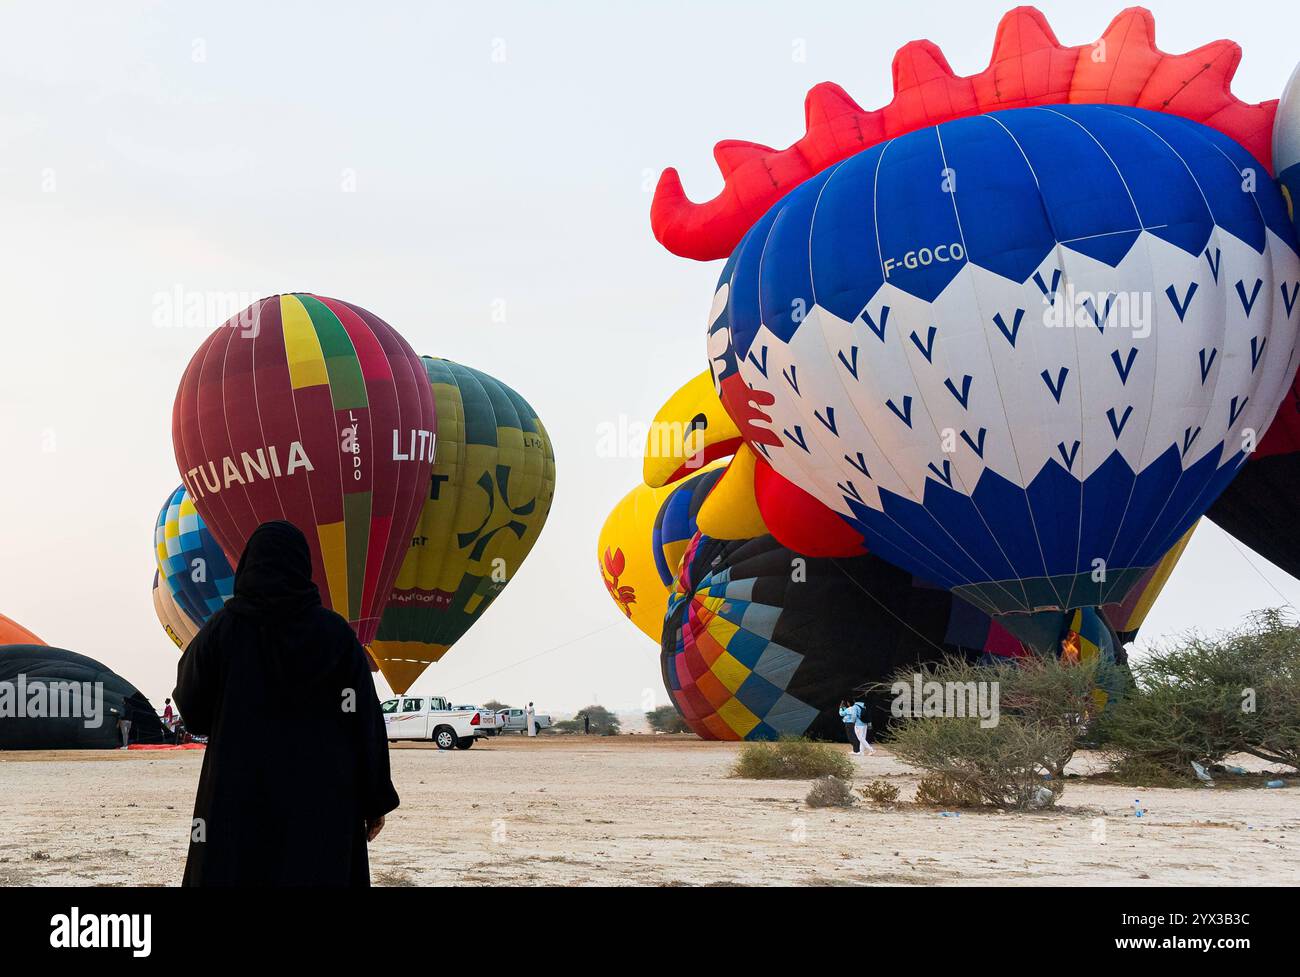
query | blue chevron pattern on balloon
[1022, 352]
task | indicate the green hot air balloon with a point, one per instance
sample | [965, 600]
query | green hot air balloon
[490, 491]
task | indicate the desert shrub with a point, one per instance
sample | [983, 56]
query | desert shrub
[1167, 725]
[666, 719]
[1140, 771]
[1205, 698]
[1043, 709]
[1038, 692]
[879, 792]
[1071, 696]
[791, 759]
[830, 791]
[1003, 765]
[936, 790]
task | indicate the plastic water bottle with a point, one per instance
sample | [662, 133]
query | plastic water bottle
[1137, 808]
[1276, 783]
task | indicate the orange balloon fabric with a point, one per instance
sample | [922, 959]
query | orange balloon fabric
[13, 633]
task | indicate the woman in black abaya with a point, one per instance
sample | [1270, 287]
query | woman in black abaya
[295, 778]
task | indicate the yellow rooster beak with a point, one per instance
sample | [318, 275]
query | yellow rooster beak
[731, 509]
[689, 431]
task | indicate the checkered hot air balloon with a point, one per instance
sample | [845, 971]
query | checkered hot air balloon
[760, 643]
[191, 566]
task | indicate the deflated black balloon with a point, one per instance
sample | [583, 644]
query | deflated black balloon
[52, 699]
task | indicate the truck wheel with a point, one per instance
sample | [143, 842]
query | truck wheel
[464, 743]
[445, 738]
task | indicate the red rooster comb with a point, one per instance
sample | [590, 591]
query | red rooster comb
[1028, 67]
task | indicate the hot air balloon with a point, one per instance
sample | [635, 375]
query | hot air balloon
[314, 411]
[761, 643]
[176, 624]
[490, 491]
[1286, 144]
[13, 633]
[1258, 507]
[638, 558]
[1016, 352]
[190, 562]
[969, 384]
[641, 543]
[758, 641]
[1125, 617]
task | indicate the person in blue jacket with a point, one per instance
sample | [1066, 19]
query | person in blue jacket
[846, 715]
[856, 726]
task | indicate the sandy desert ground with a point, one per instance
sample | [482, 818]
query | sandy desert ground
[648, 810]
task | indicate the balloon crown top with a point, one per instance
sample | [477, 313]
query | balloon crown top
[1029, 66]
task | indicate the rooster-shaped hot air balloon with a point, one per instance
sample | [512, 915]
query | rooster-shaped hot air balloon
[1014, 332]
[757, 641]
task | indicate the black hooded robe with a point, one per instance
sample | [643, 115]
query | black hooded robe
[297, 760]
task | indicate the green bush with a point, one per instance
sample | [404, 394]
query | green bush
[1205, 698]
[603, 722]
[1017, 759]
[830, 791]
[791, 759]
[1003, 765]
[1140, 771]
[666, 719]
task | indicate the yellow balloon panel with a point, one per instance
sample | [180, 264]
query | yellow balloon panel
[490, 492]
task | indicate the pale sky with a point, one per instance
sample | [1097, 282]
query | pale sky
[503, 156]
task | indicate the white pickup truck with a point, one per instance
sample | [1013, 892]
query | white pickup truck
[423, 717]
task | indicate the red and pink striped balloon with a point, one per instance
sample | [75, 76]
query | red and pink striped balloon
[315, 411]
